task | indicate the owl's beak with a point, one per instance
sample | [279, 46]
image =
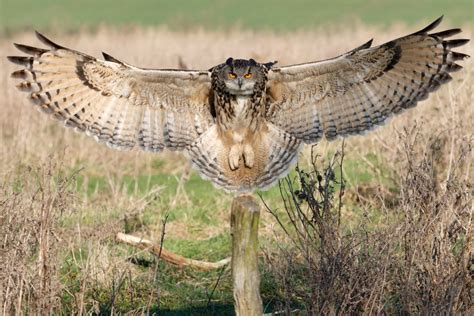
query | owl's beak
[240, 81]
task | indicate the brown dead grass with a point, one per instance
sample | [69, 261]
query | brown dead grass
[30, 239]
[419, 262]
[417, 210]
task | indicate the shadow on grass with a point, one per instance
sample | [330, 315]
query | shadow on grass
[221, 309]
[218, 309]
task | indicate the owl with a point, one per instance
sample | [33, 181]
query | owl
[242, 123]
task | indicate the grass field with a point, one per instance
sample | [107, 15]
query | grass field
[216, 14]
[405, 233]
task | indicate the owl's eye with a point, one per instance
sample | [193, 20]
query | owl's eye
[248, 76]
[232, 75]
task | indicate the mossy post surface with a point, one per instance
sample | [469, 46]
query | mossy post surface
[245, 216]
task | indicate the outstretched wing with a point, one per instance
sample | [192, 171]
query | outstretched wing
[118, 104]
[359, 90]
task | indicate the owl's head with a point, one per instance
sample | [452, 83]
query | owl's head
[241, 76]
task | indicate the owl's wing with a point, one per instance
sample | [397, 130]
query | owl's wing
[118, 104]
[359, 90]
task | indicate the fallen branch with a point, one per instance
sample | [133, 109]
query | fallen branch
[167, 255]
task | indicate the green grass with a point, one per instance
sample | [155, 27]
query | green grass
[213, 249]
[180, 291]
[212, 14]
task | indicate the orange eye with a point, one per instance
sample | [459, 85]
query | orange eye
[248, 76]
[232, 75]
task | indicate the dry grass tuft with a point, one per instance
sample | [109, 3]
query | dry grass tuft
[436, 235]
[418, 264]
[31, 238]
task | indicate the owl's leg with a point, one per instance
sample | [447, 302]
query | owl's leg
[235, 153]
[249, 156]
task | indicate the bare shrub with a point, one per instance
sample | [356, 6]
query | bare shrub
[432, 275]
[342, 273]
[418, 264]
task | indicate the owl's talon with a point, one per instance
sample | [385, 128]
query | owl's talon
[234, 163]
[249, 156]
[234, 157]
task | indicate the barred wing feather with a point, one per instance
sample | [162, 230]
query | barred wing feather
[118, 104]
[359, 90]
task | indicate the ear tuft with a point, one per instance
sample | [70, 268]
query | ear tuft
[270, 64]
[107, 57]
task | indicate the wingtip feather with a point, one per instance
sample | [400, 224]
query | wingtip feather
[43, 39]
[447, 33]
[430, 27]
[456, 42]
[459, 56]
[107, 57]
[19, 74]
[20, 60]
[368, 44]
[30, 50]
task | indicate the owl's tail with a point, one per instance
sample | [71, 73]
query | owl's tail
[274, 150]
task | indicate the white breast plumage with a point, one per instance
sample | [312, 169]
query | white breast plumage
[240, 104]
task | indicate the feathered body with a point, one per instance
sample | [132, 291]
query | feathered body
[242, 122]
[243, 150]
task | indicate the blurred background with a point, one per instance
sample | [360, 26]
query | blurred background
[218, 14]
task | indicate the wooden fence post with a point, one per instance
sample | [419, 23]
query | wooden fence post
[244, 220]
